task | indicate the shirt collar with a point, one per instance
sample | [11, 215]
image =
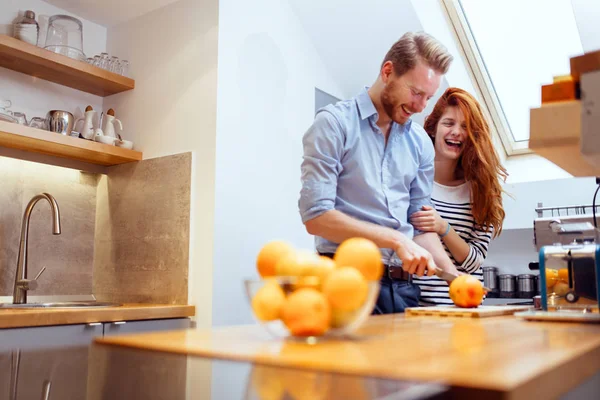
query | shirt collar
[366, 108]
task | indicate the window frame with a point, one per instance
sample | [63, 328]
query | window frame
[481, 79]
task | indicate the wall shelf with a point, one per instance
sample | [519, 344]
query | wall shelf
[555, 134]
[34, 140]
[35, 61]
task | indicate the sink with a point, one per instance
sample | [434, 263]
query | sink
[62, 304]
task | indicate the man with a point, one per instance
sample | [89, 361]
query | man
[367, 167]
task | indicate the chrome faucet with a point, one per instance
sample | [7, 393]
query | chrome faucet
[22, 284]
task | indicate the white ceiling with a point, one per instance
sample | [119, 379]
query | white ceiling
[353, 36]
[109, 12]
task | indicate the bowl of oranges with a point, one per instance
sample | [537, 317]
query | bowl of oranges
[301, 294]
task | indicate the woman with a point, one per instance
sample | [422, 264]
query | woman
[467, 194]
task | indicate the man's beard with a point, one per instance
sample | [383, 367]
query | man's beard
[388, 104]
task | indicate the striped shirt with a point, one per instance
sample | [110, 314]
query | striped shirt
[453, 204]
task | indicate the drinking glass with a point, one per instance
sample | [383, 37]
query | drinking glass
[124, 70]
[114, 65]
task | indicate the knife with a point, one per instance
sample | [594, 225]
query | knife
[449, 277]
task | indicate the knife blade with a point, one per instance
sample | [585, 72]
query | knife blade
[449, 277]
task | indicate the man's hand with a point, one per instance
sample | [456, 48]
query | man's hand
[415, 259]
[428, 220]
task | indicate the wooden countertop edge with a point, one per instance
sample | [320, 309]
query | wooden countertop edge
[557, 380]
[564, 374]
[273, 361]
[12, 318]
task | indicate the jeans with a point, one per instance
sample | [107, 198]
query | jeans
[396, 296]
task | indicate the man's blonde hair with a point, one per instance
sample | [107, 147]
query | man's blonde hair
[414, 46]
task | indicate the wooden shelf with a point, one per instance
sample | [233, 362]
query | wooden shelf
[35, 61]
[555, 134]
[33, 140]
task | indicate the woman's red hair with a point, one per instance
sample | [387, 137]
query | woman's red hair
[479, 163]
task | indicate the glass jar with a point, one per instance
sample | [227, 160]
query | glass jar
[65, 36]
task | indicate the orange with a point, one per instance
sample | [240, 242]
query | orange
[314, 271]
[561, 288]
[306, 313]
[362, 254]
[346, 289]
[466, 291]
[563, 275]
[269, 255]
[297, 263]
[323, 268]
[268, 301]
[551, 278]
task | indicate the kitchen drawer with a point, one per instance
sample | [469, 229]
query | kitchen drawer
[125, 327]
[48, 337]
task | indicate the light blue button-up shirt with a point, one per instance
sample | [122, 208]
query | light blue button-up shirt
[348, 166]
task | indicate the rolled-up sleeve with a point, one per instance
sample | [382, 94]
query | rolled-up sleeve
[321, 165]
[478, 242]
[422, 185]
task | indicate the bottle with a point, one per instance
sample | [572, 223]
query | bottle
[27, 29]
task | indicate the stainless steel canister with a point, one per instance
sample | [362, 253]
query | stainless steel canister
[507, 285]
[60, 122]
[526, 286]
[490, 278]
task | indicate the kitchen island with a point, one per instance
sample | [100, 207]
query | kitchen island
[499, 357]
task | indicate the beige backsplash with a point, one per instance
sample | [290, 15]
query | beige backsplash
[142, 232]
[125, 235]
[68, 257]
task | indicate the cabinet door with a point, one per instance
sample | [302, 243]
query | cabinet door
[52, 360]
[123, 327]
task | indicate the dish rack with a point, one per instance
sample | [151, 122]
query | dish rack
[580, 209]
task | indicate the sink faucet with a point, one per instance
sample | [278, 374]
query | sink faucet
[22, 284]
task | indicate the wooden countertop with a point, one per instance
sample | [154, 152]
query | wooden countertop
[21, 318]
[500, 357]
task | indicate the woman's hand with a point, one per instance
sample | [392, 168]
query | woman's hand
[428, 220]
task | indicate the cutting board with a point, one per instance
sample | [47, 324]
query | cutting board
[453, 311]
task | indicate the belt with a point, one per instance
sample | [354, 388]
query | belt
[389, 271]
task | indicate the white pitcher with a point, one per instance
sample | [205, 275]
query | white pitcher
[109, 128]
[87, 131]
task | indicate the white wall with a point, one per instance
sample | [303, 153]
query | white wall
[520, 210]
[35, 97]
[268, 71]
[512, 252]
[173, 55]
[352, 36]
[587, 15]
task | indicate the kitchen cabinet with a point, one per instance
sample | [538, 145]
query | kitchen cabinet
[56, 358]
[53, 357]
